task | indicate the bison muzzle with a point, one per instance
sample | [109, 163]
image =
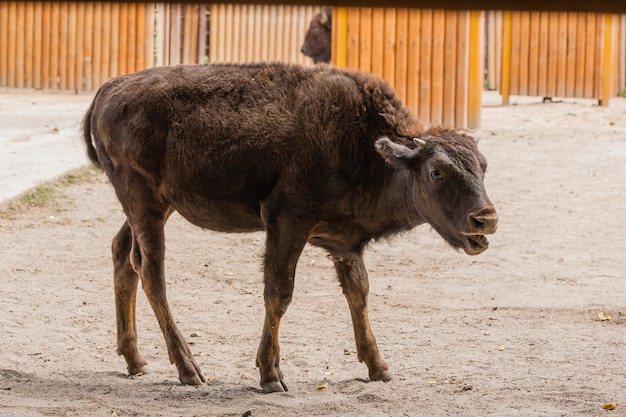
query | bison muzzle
[307, 154]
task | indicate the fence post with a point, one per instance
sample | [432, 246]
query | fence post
[607, 61]
[340, 33]
[475, 75]
[505, 78]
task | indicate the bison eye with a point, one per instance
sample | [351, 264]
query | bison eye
[436, 175]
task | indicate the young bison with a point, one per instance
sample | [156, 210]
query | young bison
[318, 155]
[317, 39]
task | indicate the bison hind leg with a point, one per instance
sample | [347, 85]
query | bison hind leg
[125, 281]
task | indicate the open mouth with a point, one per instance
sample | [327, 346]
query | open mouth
[475, 244]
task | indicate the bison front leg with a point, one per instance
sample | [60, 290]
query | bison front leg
[125, 280]
[147, 257]
[283, 247]
[353, 278]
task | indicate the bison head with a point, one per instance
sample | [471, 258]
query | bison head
[448, 171]
[317, 39]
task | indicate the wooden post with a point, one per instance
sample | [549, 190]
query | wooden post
[505, 78]
[607, 62]
[340, 31]
[475, 94]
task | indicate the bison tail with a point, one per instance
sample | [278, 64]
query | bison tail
[91, 150]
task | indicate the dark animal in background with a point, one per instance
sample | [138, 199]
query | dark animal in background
[306, 154]
[317, 39]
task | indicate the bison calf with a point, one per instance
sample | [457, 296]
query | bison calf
[318, 155]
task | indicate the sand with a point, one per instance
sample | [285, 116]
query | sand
[535, 326]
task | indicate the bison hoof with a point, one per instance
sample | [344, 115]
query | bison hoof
[191, 380]
[138, 370]
[384, 376]
[278, 386]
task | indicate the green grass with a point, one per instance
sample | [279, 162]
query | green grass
[39, 197]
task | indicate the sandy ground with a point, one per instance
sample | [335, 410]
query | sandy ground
[38, 137]
[535, 326]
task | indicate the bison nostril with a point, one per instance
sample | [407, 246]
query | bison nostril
[484, 221]
[478, 223]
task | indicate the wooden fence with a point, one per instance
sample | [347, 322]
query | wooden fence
[552, 54]
[71, 45]
[431, 57]
[252, 33]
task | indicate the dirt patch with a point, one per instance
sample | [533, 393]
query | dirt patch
[535, 326]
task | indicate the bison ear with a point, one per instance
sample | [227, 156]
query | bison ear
[396, 155]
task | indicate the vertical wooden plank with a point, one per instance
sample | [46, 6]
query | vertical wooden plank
[20, 47]
[524, 53]
[499, 31]
[131, 37]
[533, 53]
[107, 35]
[4, 42]
[505, 78]
[265, 23]
[598, 67]
[78, 47]
[425, 65]
[450, 69]
[581, 52]
[437, 74]
[213, 33]
[139, 62]
[159, 35]
[544, 32]
[590, 55]
[239, 33]
[46, 41]
[475, 76]
[29, 35]
[516, 19]
[88, 47]
[281, 35]
[561, 67]
[258, 32]
[354, 33]
[12, 33]
[55, 10]
[96, 60]
[363, 18]
[608, 54]
[378, 40]
[570, 66]
[461, 114]
[190, 34]
[176, 33]
[553, 53]
[35, 48]
[292, 46]
[389, 42]
[341, 19]
[63, 45]
[113, 47]
[202, 33]
[271, 33]
[250, 21]
[413, 64]
[71, 46]
[401, 55]
[491, 50]
[228, 33]
[122, 55]
[621, 81]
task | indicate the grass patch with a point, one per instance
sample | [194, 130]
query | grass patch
[40, 196]
[47, 195]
